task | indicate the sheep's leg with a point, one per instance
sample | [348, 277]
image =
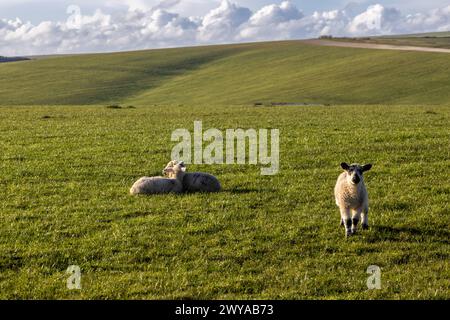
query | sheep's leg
[347, 219]
[365, 218]
[355, 219]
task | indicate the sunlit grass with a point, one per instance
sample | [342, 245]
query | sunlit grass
[65, 173]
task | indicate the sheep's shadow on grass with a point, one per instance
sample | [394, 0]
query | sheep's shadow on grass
[397, 234]
[11, 262]
[135, 214]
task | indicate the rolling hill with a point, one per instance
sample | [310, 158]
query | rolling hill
[291, 72]
[12, 59]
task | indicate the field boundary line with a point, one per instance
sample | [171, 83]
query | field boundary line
[331, 43]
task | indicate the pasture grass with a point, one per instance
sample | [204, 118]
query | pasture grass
[65, 174]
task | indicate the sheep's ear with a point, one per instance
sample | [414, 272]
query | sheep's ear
[183, 169]
[182, 164]
[345, 166]
[366, 167]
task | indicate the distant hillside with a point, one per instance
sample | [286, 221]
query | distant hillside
[444, 34]
[282, 72]
[433, 40]
[12, 59]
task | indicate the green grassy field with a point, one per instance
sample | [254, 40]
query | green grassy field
[64, 189]
[66, 170]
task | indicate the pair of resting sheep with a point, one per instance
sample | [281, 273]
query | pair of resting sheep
[176, 180]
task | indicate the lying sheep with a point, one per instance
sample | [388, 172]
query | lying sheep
[352, 198]
[195, 181]
[156, 185]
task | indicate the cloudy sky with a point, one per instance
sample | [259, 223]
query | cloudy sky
[30, 27]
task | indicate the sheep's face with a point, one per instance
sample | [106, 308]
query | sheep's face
[355, 172]
[168, 168]
[173, 167]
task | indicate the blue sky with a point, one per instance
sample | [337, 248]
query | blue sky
[30, 27]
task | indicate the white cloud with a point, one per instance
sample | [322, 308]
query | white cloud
[139, 27]
[378, 20]
[270, 22]
[375, 20]
[135, 29]
[437, 20]
[286, 11]
[220, 24]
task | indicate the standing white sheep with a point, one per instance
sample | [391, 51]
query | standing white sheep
[352, 197]
[156, 185]
[195, 181]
